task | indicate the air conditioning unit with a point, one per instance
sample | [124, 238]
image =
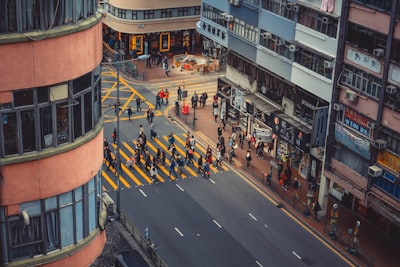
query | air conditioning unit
[109, 202]
[351, 96]
[374, 171]
[293, 48]
[266, 35]
[296, 8]
[325, 20]
[378, 52]
[337, 106]
[391, 89]
[234, 2]
[289, 6]
[280, 42]
[328, 64]
[371, 125]
[380, 144]
[228, 18]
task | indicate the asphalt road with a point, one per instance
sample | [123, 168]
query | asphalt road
[222, 221]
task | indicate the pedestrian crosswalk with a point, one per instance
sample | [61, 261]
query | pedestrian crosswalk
[191, 84]
[137, 175]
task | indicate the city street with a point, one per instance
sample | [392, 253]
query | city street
[196, 221]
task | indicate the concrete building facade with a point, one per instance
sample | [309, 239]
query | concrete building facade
[317, 80]
[362, 149]
[279, 75]
[51, 135]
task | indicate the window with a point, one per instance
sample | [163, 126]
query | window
[26, 127]
[385, 5]
[28, 130]
[134, 15]
[88, 111]
[77, 115]
[182, 11]
[8, 16]
[364, 38]
[315, 62]
[122, 13]
[149, 14]
[82, 83]
[245, 30]
[279, 7]
[23, 98]
[54, 223]
[10, 132]
[62, 123]
[318, 21]
[361, 81]
[46, 127]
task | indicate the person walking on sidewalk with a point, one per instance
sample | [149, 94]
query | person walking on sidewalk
[316, 208]
[268, 176]
[248, 158]
[296, 187]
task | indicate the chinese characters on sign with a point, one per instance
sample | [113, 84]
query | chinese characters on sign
[357, 122]
[364, 60]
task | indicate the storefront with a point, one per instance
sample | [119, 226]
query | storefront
[164, 42]
[293, 142]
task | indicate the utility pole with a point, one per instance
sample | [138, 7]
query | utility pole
[118, 156]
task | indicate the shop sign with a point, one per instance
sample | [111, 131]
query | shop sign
[291, 134]
[357, 122]
[389, 161]
[352, 141]
[364, 60]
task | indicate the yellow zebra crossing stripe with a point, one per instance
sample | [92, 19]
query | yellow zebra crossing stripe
[183, 176]
[162, 168]
[184, 154]
[119, 175]
[147, 178]
[109, 180]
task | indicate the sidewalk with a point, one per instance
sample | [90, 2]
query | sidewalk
[375, 249]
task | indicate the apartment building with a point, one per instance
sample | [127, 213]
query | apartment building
[279, 77]
[149, 27]
[51, 133]
[318, 80]
[363, 149]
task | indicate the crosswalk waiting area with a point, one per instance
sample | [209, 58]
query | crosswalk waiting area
[136, 171]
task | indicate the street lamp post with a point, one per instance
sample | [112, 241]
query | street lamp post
[118, 156]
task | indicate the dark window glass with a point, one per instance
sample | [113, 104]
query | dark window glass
[9, 122]
[46, 127]
[23, 98]
[8, 16]
[77, 118]
[43, 94]
[62, 123]
[28, 130]
[88, 112]
[25, 239]
[82, 83]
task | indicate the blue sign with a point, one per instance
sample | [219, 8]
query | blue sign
[353, 142]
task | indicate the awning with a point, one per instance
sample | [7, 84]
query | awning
[260, 104]
[385, 209]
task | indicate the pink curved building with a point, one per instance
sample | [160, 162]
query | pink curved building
[51, 133]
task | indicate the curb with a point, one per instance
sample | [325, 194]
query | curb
[280, 204]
